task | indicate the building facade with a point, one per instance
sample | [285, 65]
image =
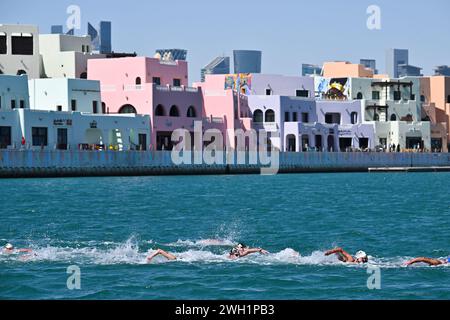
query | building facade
[247, 61]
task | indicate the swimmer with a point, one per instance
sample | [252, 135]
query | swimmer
[429, 261]
[242, 250]
[360, 256]
[160, 252]
[9, 249]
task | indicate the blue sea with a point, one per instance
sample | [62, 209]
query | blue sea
[108, 226]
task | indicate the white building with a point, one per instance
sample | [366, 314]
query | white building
[19, 50]
[64, 94]
[21, 127]
[66, 56]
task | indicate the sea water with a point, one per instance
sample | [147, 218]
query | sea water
[108, 226]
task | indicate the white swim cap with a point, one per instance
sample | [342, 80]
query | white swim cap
[9, 246]
[360, 255]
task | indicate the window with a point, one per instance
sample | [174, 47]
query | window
[159, 111]
[74, 105]
[375, 95]
[305, 117]
[61, 139]
[448, 99]
[294, 117]
[333, 118]
[376, 117]
[3, 47]
[359, 96]
[21, 72]
[258, 116]
[94, 107]
[128, 108]
[393, 117]
[397, 95]
[13, 104]
[268, 92]
[59, 108]
[22, 104]
[83, 75]
[176, 82]
[5, 137]
[422, 98]
[286, 117]
[270, 115]
[88, 49]
[138, 81]
[22, 44]
[157, 80]
[0, 102]
[354, 117]
[191, 113]
[83, 48]
[103, 107]
[302, 93]
[174, 111]
[413, 97]
[39, 136]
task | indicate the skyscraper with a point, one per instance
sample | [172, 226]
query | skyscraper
[311, 70]
[220, 65]
[394, 58]
[101, 38]
[174, 54]
[370, 63]
[247, 61]
[105, 37]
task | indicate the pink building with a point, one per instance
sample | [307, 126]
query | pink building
[153, 87]
[227, 104]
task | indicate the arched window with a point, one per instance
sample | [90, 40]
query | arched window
[138, 81]
[393, 117]
[191, 113]
[258, 116]
[359, 96]
[83, 75]
[354, 117]
[21, 72]
[159, 111]
[103, 108]
[174, 111]
[1, 72]
[128, 108]
[270, 115]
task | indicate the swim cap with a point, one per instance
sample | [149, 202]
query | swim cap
[9, 246]
[360, 255]
[448, 260]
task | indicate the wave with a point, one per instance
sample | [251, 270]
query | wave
[202, 251]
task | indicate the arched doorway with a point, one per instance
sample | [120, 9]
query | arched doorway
[83, 75]
[258, 116]
[21, 72]
[291, 142]
[128, 108]
[270, 115]
[191, 113]
[174, 112]
[160, 111]
[305, 142]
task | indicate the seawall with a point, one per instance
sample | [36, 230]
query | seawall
[32, 163]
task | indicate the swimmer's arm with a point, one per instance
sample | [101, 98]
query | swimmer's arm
[429, 261]
[345, 255]
[253, 250]
[163, 253]
[24, 250]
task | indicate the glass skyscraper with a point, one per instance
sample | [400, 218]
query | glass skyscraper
[247, 61]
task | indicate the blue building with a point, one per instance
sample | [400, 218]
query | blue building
[58, 29]
[394, 58]
[101, 38]
[175, 54]
[370, 63]
[247, 61]
[442, 71]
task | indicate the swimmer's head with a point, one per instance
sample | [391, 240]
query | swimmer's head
[361, 257]
[234, 252]
[9, 246]
[241, 246]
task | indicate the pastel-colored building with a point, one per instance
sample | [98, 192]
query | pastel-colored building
[66, 56]
[62, 94]
[343, 69]
[19, 50]
[13, 92]
[150, 86]
[435, 96]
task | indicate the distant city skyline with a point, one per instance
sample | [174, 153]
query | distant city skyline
[289, 33]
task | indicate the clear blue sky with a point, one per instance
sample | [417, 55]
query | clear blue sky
[289, 32]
